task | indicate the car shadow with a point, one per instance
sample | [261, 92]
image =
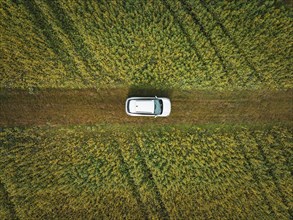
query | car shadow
[149, 92]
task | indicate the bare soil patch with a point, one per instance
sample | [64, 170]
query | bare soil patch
[72, 107]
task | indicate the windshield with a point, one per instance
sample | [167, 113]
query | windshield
[158, 107]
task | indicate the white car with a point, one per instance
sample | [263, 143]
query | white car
[148, 106]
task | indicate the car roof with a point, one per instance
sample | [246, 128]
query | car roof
[142, 106]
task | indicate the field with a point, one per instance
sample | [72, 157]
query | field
[184, 44]
[69, 151]
[171, 172]
[107, 106]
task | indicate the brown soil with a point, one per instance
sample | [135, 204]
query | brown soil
[72, 107]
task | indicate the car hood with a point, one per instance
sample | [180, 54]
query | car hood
[166, 107]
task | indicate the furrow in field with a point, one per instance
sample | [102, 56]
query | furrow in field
[131, 182]
[214, 69]
[76, 38]
[7, 207]
[271, 170]
[143, 178]
[52, 38]
[230, 36]
[256, 178]
[282, 148]
[266, 172]
[163, 212]
[184, 32]
[188, 9]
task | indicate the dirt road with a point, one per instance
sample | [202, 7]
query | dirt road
[72, 107]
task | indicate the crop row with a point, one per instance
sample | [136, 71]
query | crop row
[171, 172]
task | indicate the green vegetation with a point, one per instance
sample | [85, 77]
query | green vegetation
[6, 207]
[177, 172]
[195, 44]
[66, 63]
